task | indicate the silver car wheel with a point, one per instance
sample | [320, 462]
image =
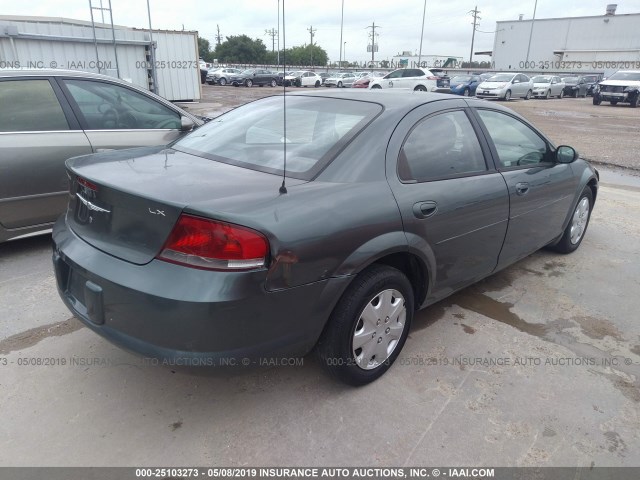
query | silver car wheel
[579, 220]
[379, 329]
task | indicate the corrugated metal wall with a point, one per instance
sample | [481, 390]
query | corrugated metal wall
[582, 43]
[40, 42]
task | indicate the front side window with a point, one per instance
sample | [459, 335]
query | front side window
[30, 106]
[396, 74]
[516, 143]
[106, 106]
[440, 146]
[253, 135]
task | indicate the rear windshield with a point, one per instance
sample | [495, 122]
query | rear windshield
[252, 136]
[627, 76]
[570, 79]
[461, 79]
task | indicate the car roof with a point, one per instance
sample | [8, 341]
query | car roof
[47, 72]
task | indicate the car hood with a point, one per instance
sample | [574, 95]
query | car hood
[621, 83]
[493, 84]
[542, 84]
[140, 193]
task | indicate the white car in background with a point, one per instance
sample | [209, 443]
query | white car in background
[506, 85]
[340, 80]
[545, 86]
[417, 79]
[303, 78]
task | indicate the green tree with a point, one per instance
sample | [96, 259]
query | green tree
[204, 49]
[241, 49]
[307, 55]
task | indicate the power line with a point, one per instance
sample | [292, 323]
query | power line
[374, 45]
[273, 33]
[476, 19]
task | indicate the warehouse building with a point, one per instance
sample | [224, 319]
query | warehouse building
[165, 62]
[603, 43]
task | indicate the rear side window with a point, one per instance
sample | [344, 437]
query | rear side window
[30, 106]
[106, 106]
[441, 146]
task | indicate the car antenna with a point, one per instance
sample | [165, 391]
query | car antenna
[283, 188]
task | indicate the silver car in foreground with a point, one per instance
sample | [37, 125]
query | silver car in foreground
[506, 85]
[49, 116]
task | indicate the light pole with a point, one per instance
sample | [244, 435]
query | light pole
[424, 12]
[345, 51]
[278, 35]
[341, 24]
[535, 6]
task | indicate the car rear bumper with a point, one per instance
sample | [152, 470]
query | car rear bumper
[186, 315]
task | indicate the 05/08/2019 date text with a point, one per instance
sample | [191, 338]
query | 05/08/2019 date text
[578, 65]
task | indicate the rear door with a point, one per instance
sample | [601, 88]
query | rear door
[38, 133]
[454, 204]
[540, 190]
[116, 117]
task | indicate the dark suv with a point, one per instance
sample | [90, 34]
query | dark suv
[254, 76]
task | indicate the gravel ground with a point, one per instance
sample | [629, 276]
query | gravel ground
[602, 134]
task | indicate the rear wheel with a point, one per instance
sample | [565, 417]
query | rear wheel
[222, 81]
[273, 82]
[249, 83]
[368, 326]
[420, 88]
[376, 86]
[577, 228]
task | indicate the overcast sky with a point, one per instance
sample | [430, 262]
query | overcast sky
[447, 29]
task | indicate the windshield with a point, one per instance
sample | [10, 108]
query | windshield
[541, 79]
[461, 79]
[252, 136]
[626, 76]
[501, 77]
[248, 72]
[570, 79]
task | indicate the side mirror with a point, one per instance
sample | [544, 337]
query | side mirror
[566, 154]
[186, 124]
[516, 81]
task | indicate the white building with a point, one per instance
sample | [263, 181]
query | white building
[62, 43]
[603, 43]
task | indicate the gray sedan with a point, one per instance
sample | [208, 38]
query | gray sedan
[48, 116]
[209, 251]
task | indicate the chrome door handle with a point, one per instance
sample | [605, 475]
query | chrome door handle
[522, 188]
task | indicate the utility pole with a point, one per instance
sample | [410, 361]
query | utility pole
[273, 32]
[311, 31]
[218, 36]
[535, 7]
[341, 25]
[424, 12]
[373, 41]
[476, 19]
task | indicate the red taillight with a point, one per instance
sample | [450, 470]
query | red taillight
[87, 184]
[201, 243]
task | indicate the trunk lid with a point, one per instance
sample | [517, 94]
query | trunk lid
[126, 203]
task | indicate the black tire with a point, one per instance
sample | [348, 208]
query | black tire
[561, 94]
[547, 94]
[635, 101]
[565, 244]
[248, 83]
[317, 83]
[222, 81]
[613, 103]
[528, 95]
[507, 96]
[420, 88]
[335, 347]
[339, 85]
[575, 93]
[596, 99]
[273, 83]
[466, 92]
[376, 86]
